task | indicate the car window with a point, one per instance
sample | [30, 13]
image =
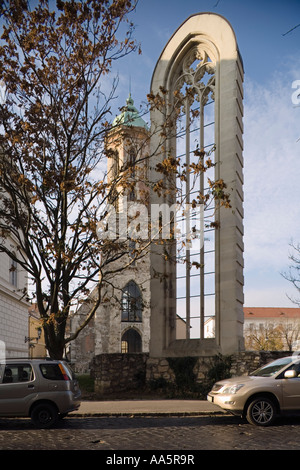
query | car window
[272, 368]
[15, 373]
[51, 371]
[295, 366]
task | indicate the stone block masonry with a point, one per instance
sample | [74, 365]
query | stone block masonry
[115, 373]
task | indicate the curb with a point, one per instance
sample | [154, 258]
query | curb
[131, 409]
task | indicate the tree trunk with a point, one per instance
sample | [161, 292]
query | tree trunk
[55, 341]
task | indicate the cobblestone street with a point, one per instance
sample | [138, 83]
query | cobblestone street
[155, 433]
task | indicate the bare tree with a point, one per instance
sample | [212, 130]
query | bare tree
[290, 333]
[54, 122]
[263, 337]
[293, 273]
[54, 64]
[283, 335]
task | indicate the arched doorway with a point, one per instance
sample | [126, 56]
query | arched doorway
[131, 342]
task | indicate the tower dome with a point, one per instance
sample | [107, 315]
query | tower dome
[130, 116]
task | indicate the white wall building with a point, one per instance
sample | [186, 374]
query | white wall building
[13, 308]
[272, 327]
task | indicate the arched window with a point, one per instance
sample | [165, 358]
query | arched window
[131, 341]
[13, 272]
[132, 161]
[194, 82]
[116, 163]
[132, 303]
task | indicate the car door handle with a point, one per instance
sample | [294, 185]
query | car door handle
[30, 386]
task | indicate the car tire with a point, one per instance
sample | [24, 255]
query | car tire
[261, 412]
[44, 415]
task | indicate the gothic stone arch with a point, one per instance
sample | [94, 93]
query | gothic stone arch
[203, 54]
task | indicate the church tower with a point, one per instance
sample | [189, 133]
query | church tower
[122, 321]
[127, 147]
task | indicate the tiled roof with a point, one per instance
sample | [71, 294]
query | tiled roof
[271, 312]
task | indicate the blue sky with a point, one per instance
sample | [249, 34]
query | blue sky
[271, 58]
[272, 123]
[259, 27]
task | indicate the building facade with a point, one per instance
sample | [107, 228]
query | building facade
[36, 338]
[13, 308]
[272, 328]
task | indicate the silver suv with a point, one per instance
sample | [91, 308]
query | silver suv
[262, 395]
[43, 389]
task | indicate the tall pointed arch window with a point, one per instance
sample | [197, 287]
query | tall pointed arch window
[132, 173]
[194, 87]
[132, 304]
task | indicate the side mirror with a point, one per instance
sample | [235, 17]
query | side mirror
[290, 374]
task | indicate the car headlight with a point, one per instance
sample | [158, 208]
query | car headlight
[232, 389]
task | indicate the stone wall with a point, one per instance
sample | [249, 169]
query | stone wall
[160, 368]
[238, 364]
[245, 362]
[114, 373]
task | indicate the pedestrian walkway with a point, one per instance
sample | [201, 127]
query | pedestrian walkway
[146, 407]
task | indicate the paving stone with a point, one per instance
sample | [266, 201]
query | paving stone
[152, 434]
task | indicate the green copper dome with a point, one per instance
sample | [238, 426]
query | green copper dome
[130, 116]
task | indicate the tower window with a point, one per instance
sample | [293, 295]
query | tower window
[132, 195]
[131, 303]
[132, 161]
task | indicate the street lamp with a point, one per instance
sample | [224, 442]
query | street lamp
[39, 334]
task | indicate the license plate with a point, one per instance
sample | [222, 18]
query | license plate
[211, 399]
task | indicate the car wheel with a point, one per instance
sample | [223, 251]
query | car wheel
[261, 412]
[44, 415]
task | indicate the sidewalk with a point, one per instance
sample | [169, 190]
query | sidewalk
[146, 408]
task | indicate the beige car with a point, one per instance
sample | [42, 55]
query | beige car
[264, 394]
[42, 389]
